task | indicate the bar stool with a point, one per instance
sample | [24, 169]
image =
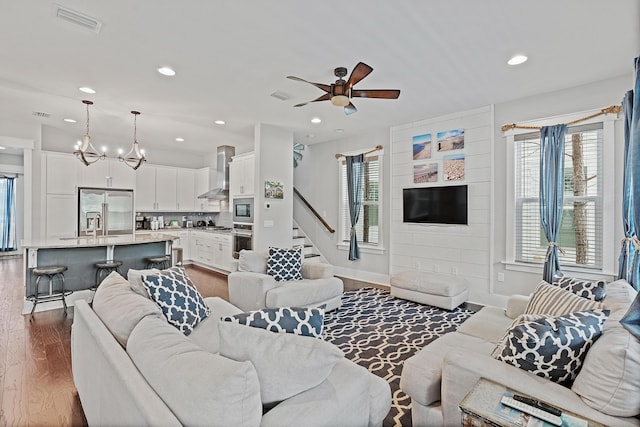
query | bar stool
[103, 269]
[51, 272]
[160, 262]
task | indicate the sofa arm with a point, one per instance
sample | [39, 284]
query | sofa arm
[248, 290]
[462, 370]
[516, 305]
[316, 270]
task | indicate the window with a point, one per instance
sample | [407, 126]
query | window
[581, 232]
[368, 228]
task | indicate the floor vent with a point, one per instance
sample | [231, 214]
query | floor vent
[78, 18]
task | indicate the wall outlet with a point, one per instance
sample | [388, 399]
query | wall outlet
[500, 277]
[436, 268]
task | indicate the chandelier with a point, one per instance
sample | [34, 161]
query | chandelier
[86, 152]
[134, 158]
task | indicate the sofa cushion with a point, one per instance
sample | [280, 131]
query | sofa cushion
[293, 320]
[284, 264]
[180, 301]
[120, 308]
[135, 280]
[489, 324]
[304, 293]
[594, 290]
[316, 270]
[553, 347]
[555, 301]
[620, 295]
[422, 372]
[286, 364]
[199, 387]
[631, 319]
[609, 380]
[252, 261]
[206, 334]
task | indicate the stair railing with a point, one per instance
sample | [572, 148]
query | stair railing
[313, 211]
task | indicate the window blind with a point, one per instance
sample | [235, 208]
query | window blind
[580, 233]
[368, 226]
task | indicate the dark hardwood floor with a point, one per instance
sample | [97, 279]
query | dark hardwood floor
[36, 384]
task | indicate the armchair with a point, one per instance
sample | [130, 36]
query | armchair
[251, 288]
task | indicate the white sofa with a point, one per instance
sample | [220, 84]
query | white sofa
[131, 367]
[251, 288]
[439, 376]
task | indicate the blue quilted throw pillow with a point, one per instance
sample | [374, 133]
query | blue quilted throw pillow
[284, 264]
[293, 320]
[552, 347]
[179, 300]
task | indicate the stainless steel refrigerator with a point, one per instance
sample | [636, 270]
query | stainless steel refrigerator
[105, 211]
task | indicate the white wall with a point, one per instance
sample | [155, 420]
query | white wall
[316, 177]
[461, 250]
[273, 225]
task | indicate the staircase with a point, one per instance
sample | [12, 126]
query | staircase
[309, 251]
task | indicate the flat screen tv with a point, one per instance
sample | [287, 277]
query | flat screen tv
[435, 205]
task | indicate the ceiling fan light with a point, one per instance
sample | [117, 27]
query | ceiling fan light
[340, 100]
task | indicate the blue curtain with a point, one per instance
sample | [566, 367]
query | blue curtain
[355, 174]
[627, 251]
[551, 193]
[7, 214]
[634, 181]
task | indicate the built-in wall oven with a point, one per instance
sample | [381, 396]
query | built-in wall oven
[243, 210]
[241, 238]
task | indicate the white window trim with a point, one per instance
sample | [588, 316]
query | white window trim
[363, 247]
[609, 255]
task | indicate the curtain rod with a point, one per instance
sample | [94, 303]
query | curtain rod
[613, 109]
[378, 147]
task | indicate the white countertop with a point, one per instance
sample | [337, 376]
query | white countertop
[203, 229]
[90, 241]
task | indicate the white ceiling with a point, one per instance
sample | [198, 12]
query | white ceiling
[444, 56]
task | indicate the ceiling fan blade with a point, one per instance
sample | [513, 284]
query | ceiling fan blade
[324, 97]
[376, 93]
[324, 87]
[350, 109]
[361, 71]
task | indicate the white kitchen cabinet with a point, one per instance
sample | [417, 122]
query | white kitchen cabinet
[186, 189]
[184, 242]
[242, 175]
[145, 193]
[108, 173]
[156, 188]
[222, 256]
[202, 248]
[166, 188]
[61, 173]
[62, 214]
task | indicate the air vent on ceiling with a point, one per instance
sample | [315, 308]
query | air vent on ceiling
[41, 114]
[280, 95]
[78, 18]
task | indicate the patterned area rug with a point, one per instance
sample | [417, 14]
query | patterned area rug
[380, 332]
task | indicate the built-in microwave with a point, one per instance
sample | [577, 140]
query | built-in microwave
[243, 210]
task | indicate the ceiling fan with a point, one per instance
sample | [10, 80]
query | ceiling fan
[341, 92]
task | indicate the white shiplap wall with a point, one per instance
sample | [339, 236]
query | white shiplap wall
[463, 250]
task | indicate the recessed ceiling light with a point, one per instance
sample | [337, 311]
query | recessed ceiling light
[68, 120]
[517, 60]
[219, 122]
[339, 130]
[310, 135]
[166, 71]
[180, 139]
[86, 89]
[3, 148]
[316, 120]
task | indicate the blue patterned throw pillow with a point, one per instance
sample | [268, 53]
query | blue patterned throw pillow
[293, 320]
[284, 264]
[594, 290]
[179, 300]
[552, 347]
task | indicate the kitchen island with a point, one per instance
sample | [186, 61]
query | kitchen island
[80, 254]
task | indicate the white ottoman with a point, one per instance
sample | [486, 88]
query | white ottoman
[435, 289]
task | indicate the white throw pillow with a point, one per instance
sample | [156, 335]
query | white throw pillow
[286, 364]
[134, 277]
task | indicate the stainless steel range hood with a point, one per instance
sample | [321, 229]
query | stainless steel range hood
[221, 192]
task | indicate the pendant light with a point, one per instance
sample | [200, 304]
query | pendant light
[134, 158]
[86, 153]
